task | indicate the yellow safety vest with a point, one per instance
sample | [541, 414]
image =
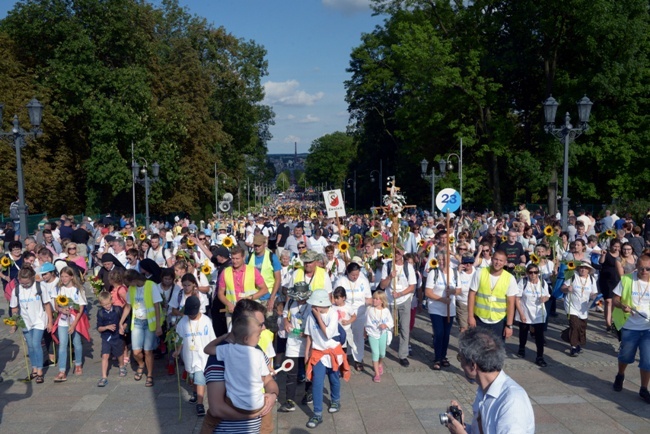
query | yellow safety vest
[317, 281]
[620, 317]
[266, 271]
[249, 283]
[148, 304]
[266, 338]
[495, 309]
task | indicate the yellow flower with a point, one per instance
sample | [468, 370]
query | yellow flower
[205, 270]
[571, 265]
[610, 233]
[428, 249]
[344, 246]
[421, 243]
[345, 232]
[140, 229]
[62, 300]
[142, 237]
[5, 261]
[9, 322]
[433, 263]
[504, 238]
[125, 233]
[452, 240]
[548, 231]
[385, 245]
[227, 242]
[374, 234]
[190, 242]
[534, 259]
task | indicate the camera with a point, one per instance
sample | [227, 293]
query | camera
[456, 412]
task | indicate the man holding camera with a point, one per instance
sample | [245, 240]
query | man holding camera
[501, 405]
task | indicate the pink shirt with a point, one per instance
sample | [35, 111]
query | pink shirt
[238, 278]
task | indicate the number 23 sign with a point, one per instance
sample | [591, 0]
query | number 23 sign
[448, 199]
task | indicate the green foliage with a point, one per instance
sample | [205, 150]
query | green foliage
[329, 158]
[113, 73]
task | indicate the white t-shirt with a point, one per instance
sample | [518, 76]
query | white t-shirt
[50, 288]
[335, 268]
[318, 245]
[318, 340]
[196, 335]
[160, 256]
[77, 297]
[31, 306]
[577, 302]
[465, 280]
[179, 297]
[402, 282]
[295, 314]
[641, 302]
[245, 367]
[344, 313]
[531, 301]
[356, 292]
[374, 318]
[139, 308]
[438, 286]
[512, 291]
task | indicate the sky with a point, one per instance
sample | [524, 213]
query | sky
[308, 44]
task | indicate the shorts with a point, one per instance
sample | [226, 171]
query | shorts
[142, 337]
[461, 315]
[197, 378]
[114, 346]
[631, 340]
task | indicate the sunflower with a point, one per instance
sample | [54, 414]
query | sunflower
[345, 232]
[385, 245]
[610, 233]
[5, 261]
[433, 263]
[548, 231]
[140, 229]
[571, 265]
[62, 300]
[421, 243]
[142, 237]
[344, 246]
[452, 240]
[504, 238]
[374, 234]
[227, 242]
[190, 242]
[125, 233]
[205, 270]
[9, 322]
[428, 249]
[534, 259]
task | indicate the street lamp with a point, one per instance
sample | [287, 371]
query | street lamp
[372, 179]
[352, 182]
[247, 186]
[216, 189]
[146, 181]
[460, 169]
[432, 178]
[567, 134]
[19, 135]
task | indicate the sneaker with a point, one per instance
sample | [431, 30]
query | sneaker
[618, 382]
[579, 349]
[644, 394]
[541, 362]
[376, 379]
[574, 352]
[404, 362]
[335, 407]
[287, 407]
[193, 398]
[521, 353]
[314, 421]
[308, 399]
[200, 410]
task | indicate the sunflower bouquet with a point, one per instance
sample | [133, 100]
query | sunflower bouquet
[571, 266]
[173, 340]
[607, 235]
[97, 284]
[6, 262]
[552, 238]
[519, 271]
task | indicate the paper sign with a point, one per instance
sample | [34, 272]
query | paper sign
[334, 203]
[448, 199]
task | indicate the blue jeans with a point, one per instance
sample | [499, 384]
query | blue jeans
[318, 382]
[631, 340]
[33, 338]
[141, 337]
[62, 333]
[441, 332]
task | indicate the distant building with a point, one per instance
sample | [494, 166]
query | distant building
[288, 161]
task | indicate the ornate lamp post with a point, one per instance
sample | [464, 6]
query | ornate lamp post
[431, 177]
[146, 181]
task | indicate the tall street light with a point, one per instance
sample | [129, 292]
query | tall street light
[216, 189]
[567, 134]
[372, 179]
[19, 135]
[431, 177]
[146, 181]
[460, 169]
[352, 182]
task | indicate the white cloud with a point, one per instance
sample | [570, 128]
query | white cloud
[290, 117]
[291, 139]
[288, 93]
[347, 6]
[309, 119]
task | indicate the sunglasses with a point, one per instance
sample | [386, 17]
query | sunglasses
[533, 272]
[202, 239]
[72, 248]
[643, 269]
[462, 250]
[258, 245]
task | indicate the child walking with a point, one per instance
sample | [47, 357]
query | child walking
[196, 331]
[345, 312]
[323, 354]
[379, 323]
[118, 298]
[579, 290]
[70, 323]
[108, 320]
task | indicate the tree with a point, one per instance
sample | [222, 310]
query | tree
[329, 158]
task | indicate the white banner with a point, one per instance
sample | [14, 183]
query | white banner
[334, 203]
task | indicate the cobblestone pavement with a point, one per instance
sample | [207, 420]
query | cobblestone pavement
[571, 395]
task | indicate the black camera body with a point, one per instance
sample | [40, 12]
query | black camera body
[455, 412]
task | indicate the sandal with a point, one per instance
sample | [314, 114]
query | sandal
[445, 363]
[149, 382]
[39, 379]
[358, 366]
[102, 382]
[138, 373]
[436, 366]
[60, 378]
[123, 371]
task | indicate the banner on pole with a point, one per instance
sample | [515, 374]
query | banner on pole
[334, 203]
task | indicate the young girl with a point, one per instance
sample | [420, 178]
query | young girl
[118, 298]
[379, 323]
[189, 287]
[70, 324]
[346, 313]
[33, 304]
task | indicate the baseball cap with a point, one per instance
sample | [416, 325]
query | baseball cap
[47, 267]
[192, 305]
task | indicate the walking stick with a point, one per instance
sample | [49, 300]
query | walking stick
[447, 267]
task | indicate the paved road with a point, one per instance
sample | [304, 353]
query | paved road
[571, 395]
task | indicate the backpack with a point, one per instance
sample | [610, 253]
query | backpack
[272, 231]
[389, 267]
[39, 292]
[13, 211]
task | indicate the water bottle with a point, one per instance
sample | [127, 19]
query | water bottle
[296, 331]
